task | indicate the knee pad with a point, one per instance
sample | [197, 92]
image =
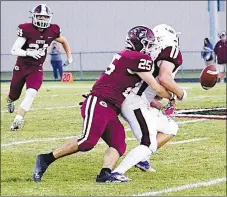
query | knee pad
[31, 92]
[28, 99]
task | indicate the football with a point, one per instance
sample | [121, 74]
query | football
[208, 77]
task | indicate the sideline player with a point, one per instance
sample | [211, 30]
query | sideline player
[31, 49]
[101, 108]
[146, 121]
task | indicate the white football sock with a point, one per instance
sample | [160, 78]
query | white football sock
[28, 99]
[132, 158]
[18, 117]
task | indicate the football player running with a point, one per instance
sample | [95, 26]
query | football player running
[102, 106]
[150, 126]
[31, 49]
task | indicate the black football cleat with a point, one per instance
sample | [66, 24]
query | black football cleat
[112, 178]
[103, 178]
[40, 168]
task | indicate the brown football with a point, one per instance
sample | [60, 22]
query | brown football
[208, 77]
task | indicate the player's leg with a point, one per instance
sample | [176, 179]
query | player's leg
[93, 127]
[16, 86]
[144, 128]
[221, 69]
[114, 136]
[33, 83]
[60, 69]
[167, 128]
[225, 70]
[55, 73]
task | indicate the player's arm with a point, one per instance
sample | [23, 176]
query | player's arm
[17, 47]
[151, 81]
[165, 78]
[18, 51]
[215, 53]
[67, 49]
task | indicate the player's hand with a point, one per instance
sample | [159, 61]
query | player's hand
[67, 62]
[184, 97]
[85, 96]
[34, 53]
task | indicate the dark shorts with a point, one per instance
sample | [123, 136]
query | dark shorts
[32, 76]
[101, 121]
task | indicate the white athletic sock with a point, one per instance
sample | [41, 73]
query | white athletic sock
[132, 158]
[18, 117]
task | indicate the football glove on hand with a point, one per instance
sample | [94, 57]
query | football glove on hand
[85, 96]
[67, 62]
[36, 54]
[170, 108]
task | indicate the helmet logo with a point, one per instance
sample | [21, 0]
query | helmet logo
[141, 33]
[104, 104]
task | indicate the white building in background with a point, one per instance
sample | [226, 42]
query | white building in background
[102, 26]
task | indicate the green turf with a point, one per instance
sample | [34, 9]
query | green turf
[176, 164]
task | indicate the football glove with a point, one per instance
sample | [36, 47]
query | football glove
[36, 54]
[85, 96]
[67, 62]
[170, 108]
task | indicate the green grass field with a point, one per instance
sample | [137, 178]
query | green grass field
[55, 115]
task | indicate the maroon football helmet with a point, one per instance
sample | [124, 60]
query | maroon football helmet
[41, 16]
[140, 38]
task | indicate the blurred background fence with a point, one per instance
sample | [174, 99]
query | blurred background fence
[89, 65]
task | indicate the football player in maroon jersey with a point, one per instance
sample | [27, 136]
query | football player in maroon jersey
[150, 126]
[31, 49]
[101, 108]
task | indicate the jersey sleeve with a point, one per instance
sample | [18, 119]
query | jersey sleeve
[56, 30]
[171, 54]
[140, 63]
[22, 31]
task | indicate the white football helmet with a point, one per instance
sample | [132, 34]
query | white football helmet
[41, 10]
[164, 36]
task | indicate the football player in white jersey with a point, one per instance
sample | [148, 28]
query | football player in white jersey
[150, 126]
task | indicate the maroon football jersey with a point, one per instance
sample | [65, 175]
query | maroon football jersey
[119, 78]
[170, 54]
[36, 40]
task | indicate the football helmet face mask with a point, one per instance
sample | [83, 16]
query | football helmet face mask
[41, 16]
[164, 36]
[140, 38]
